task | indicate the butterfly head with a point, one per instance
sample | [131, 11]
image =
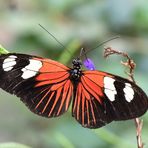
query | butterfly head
[77, 63]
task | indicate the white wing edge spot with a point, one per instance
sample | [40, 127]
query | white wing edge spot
[129, 92]
[9, 63]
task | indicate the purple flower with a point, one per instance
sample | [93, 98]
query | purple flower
[88, 63]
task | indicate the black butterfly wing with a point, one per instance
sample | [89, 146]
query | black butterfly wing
[42, 84]
[130, 101]
[45, 87]
[101, 98]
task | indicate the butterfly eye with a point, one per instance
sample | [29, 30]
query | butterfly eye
[73, 61]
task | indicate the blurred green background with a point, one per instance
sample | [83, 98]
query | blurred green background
[83, 23]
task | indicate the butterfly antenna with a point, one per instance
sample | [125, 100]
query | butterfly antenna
[82, 52]
[85, 52]
[54, 37]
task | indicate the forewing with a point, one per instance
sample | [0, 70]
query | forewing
[42, 84]
[102, 97]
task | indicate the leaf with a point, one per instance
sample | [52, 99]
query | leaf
[3, 50]
[13, 145]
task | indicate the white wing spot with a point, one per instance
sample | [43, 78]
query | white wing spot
[109, 88]
[129, 92]
[9, 63]
[13, 56]
[31, 69]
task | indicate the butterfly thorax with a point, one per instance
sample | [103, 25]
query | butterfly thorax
[75, 72]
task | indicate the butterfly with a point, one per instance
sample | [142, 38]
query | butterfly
[48, 87]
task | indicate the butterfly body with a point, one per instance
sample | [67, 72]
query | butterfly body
[76, 72]
[48, 87]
